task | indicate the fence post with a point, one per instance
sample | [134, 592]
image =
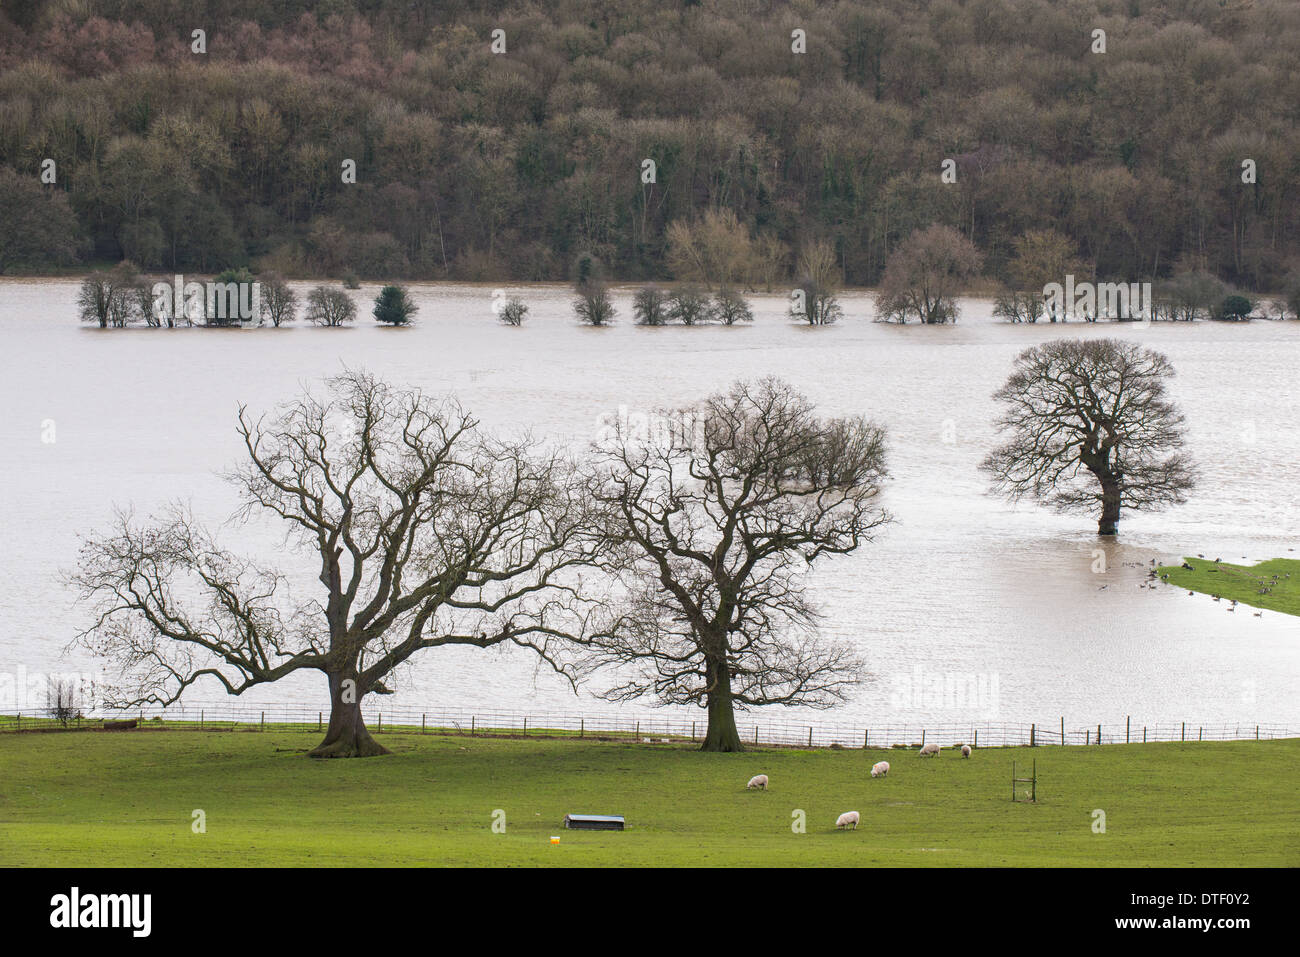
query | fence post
[263, 720]
[1200, 734]
[525, 725]
[472, 719]
[692, 730]
[422, 728]
[1032, 729]
[317, 720]
[1087, 736]
[1099, 734]
[1144, 734]
[201, 714]
[756, 734]
[1184, 730]
[923, 737]
[582, 727]
[1127, 720]
[865, 736]
[810, 735]
[1256, 732]
[1062, 730]
[977, 737]
[380, 726]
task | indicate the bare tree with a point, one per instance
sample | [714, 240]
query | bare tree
[689, 305]
[327, 306]
[650, 306]
[107, 297]
[594, 307]
[1091, 429]
[427, 533]
[815, 301]
[719, 532]
[730, 307]
[925, 274]
[279, 301]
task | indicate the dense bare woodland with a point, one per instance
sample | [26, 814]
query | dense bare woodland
[510, 165]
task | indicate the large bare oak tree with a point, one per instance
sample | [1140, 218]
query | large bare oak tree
[424, 531]
[720, 527]
[1091, 429]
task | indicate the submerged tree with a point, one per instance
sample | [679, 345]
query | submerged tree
[594, 307]
[720, 528]
[1091, 429]
[393, 306]
[815, 300]
[925, 274]
[425, 531]
[327, 306]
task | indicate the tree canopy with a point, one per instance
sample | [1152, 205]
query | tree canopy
[478, 165]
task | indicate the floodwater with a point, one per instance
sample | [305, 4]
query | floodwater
[962, 585]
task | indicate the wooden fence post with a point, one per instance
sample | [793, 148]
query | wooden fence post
[1032, 729]
[977, 737]
[1184, 730]
[422, 724]
[201, 714]
[472, 719]
[810, 735]
[318, 720]
[1127, 721]
[582, 727]
[1062, 730]
[263, 720]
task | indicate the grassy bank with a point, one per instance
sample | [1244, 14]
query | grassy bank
[1280, 577]
[127, 799]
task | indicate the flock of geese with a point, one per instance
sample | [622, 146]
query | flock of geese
[1265, 585]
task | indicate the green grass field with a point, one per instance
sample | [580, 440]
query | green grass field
[99, 799]
[1242, 582]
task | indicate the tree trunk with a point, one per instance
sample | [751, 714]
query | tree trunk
[346, 736]
[722, 734]
[1108, 524]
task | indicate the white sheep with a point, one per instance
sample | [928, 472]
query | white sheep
[965, 750]
[847, 818]
[757, 781]
[880, 769]
[929, 750]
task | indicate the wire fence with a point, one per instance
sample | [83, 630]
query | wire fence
[648, 728]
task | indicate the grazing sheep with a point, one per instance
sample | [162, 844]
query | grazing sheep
[847, 818]
[757, 781]
[880, 769]
[929, 750]
[965, 750]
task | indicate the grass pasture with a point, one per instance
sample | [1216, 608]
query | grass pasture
[1280, 577]
[98, 799]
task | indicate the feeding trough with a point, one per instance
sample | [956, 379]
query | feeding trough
[594, 822]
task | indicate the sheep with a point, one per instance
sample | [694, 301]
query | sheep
[847, 818]
[880, 769]
[965, 750]
[929, 750]
[757, 781]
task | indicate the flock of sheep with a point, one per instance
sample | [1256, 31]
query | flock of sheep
[878, 770]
